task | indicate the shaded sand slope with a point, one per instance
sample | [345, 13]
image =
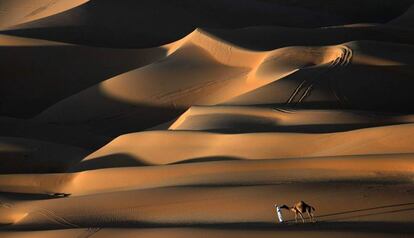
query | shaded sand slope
[405, 20]
[199, 70]
[21, 11]
[359, 79]
[272, 37]
[69, 135]
[160, 91]
[92, 24]
[245, 119]
[37, 74]
[217, 171]
[144, 147]
[339, 229]
[353, 10]
[202, 70]
[29, 156]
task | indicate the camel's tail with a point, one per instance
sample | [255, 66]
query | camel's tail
[312, 208]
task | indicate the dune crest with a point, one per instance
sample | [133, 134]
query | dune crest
[231, 119]
[23, 11]
[405, 20]
[219, 71]
[144, 147]
[160, 118]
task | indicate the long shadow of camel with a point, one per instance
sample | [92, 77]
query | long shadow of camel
[402, 207]
[368, 209]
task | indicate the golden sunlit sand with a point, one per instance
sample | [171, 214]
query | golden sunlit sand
[194, 118]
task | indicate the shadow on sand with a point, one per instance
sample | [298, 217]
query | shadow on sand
[367, 212]
[331, 225]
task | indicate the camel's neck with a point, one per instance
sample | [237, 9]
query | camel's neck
[289, 208]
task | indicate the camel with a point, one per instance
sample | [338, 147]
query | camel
[300, 208]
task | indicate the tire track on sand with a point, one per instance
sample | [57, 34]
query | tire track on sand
[55, 218]
[307, 85]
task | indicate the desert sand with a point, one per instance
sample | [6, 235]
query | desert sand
[194, 118]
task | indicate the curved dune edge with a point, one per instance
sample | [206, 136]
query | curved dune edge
[405, 20]
[196, 158]
[219, 72]
[15, 41]
[65, 135]
[257, 68]
[249, 119]
[202, 69]
[182, 18]
[144, 147]
[19, 12]
[21, 155]
[233, 55]
[91, 20]
[260, 68]
[52, 71]
[229, 171]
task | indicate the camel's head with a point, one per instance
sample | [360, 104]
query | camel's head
[285, 207]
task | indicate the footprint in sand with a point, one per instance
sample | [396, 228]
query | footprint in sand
[89, 232]
[5, 204]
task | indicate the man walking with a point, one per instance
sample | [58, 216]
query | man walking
[279, 213]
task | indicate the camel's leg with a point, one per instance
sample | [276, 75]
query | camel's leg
[313, 217]
[296, 217]
[310, 215]
[301, 216]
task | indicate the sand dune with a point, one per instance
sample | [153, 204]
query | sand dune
[354, 10]
[193, 207]
[216, 171]
[202, 70]
[144, 147]
[405, 20]
[89, 23]
[332, 86]
[30, 156]
[69, 135]
[23, 11]
[193, 118]
[272, 37]
[230, 119]
[57, 71]
[148, 95]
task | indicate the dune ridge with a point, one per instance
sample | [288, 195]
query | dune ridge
[231, 119]
[57, 70]
[90, 24]
[23, 11]
[194, 118]
[227, 171]
[20, 155]
[212, 53]
[143, 146]
[241, 77]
